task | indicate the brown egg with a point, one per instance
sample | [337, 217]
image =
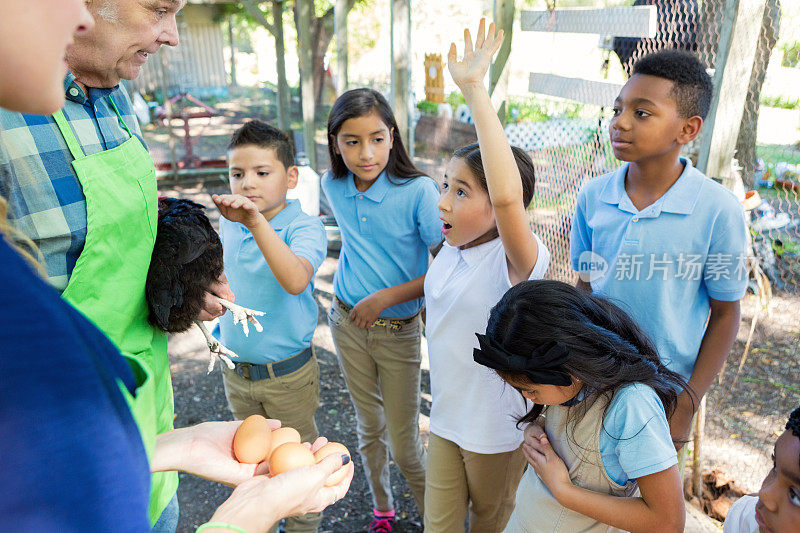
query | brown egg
[253, 440]
[330, 449]
[282, 436]
[289, 456]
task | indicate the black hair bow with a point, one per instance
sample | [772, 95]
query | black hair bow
[542, 366]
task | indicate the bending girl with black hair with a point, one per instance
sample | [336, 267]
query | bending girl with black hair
[597, 437]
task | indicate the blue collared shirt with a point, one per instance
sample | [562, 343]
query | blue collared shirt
[290, 319]
[45, 198]
[664, 263]
[386, 232]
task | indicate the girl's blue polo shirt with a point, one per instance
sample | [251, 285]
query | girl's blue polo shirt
[386, 232]
[664, 263]
[290, 319]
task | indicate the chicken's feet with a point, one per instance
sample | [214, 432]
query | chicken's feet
[216, 348]
[243, 315]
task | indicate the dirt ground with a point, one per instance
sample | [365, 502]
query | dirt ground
[741, 426]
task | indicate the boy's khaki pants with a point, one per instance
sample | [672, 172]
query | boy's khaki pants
[381, 365]
[459, 481]
[293, 399]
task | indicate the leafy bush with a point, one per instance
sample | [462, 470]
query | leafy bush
[455, 99]
[429, 108]
[537, 109]
[791, 54]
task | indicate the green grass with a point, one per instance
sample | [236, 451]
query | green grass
[775, 153]
[781, 102]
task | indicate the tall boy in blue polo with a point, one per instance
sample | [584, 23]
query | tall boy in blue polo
[657, 236]
[271, 251]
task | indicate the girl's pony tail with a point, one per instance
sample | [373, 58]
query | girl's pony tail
[641, 360]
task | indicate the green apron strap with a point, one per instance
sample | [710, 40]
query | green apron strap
[119, 115]
[72, 142]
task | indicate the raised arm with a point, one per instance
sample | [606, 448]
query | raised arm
[502, 175]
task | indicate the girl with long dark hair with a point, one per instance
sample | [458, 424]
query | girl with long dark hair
[597, 437]
[386, 211]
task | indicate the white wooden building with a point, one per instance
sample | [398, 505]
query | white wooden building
[197, 64]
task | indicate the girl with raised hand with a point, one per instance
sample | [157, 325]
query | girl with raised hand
[474, 456]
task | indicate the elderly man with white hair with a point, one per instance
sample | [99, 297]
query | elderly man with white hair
[81, 184]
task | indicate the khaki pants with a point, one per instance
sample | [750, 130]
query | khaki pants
[459, 480]
[293, 399]
[381, 367]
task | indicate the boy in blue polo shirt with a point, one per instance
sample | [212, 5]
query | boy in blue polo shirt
[657, 236]
[271, 252]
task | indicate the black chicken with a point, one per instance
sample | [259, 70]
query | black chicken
[187, 259]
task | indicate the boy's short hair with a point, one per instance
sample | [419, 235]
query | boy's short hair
[692, 89]
[259, 133]
[793, 424]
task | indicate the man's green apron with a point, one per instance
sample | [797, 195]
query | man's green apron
[107, 284]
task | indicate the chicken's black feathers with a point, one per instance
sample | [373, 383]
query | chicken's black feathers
[187, 258]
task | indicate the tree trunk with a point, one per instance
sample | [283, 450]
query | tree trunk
[276, 29]
[323, 34]
[233, 52]
[401, 67]
[499, 71]
[280, 52]
[304, 21]
[340, 28]
[746, 143]
[321, 37]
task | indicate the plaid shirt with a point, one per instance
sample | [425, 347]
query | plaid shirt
[45, 198]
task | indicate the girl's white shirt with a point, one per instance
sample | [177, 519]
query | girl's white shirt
[741, 516]
[472, 406]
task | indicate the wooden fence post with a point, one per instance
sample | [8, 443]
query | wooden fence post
[741, 23]
[499, 71]
[697, 453]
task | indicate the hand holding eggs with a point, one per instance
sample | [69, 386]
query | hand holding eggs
[254, 442]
